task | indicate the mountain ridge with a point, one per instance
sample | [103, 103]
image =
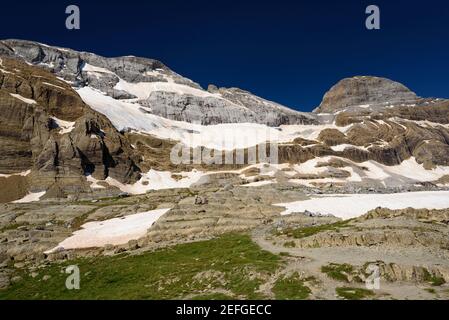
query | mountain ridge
[80, 125]
[108, 75]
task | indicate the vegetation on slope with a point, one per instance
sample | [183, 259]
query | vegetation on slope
[230, 266]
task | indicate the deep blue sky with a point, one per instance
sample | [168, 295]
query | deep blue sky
[291, 52]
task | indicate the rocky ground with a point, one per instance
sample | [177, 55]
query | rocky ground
[410, 247]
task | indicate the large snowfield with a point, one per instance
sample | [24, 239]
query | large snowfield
[347, 206]
[228, 136]
[115, 231]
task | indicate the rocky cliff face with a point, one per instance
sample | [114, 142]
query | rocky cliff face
[48, 130]
[365, 91]
[384, 141]
[66, 115]
[162, 91]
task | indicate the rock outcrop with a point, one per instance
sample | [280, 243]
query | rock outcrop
[364, 91]
[47, 128]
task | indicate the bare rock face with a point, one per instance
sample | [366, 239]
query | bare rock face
[69, 64]
[332, 137]
[364, 91]
[189, 108]
[13, 187]
[266, 112]
[384, 141]
[46, 128]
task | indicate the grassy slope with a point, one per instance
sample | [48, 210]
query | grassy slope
[305, 232]
[291, 288]
[233, 263]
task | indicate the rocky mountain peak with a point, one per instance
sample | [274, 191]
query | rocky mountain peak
[154, 85]
[364, 90]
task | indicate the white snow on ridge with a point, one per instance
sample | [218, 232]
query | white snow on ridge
[142, 90]
[3, 70]
[95, 70]
[53, 85]
[409, 169]
[115, 231]
[23, 174]
[342, 147]
[228, 136]
[31, 197]
[158, 180]
[66, 126]
[94, 182]
[26, 100]
[126, 115]
[347, 206]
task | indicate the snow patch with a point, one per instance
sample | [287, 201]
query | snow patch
[158, 180]
[31, 197]
[26, 100]
[342, 147]
[413, 170]
[347, 206]
[115, 231]
[96, 71]
[53, 85]
[66, 126]
[128, 115]
[23, 174]
[94, 183]
[3, 70]
[408, 169]
[142, 90]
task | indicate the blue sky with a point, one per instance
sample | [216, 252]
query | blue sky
[291, 52]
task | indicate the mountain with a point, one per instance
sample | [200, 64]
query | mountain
[367, 92]
[154, 86]
[121, 160]
[51, 138]
[78, 125]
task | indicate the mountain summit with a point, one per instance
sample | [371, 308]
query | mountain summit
[365, 91]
